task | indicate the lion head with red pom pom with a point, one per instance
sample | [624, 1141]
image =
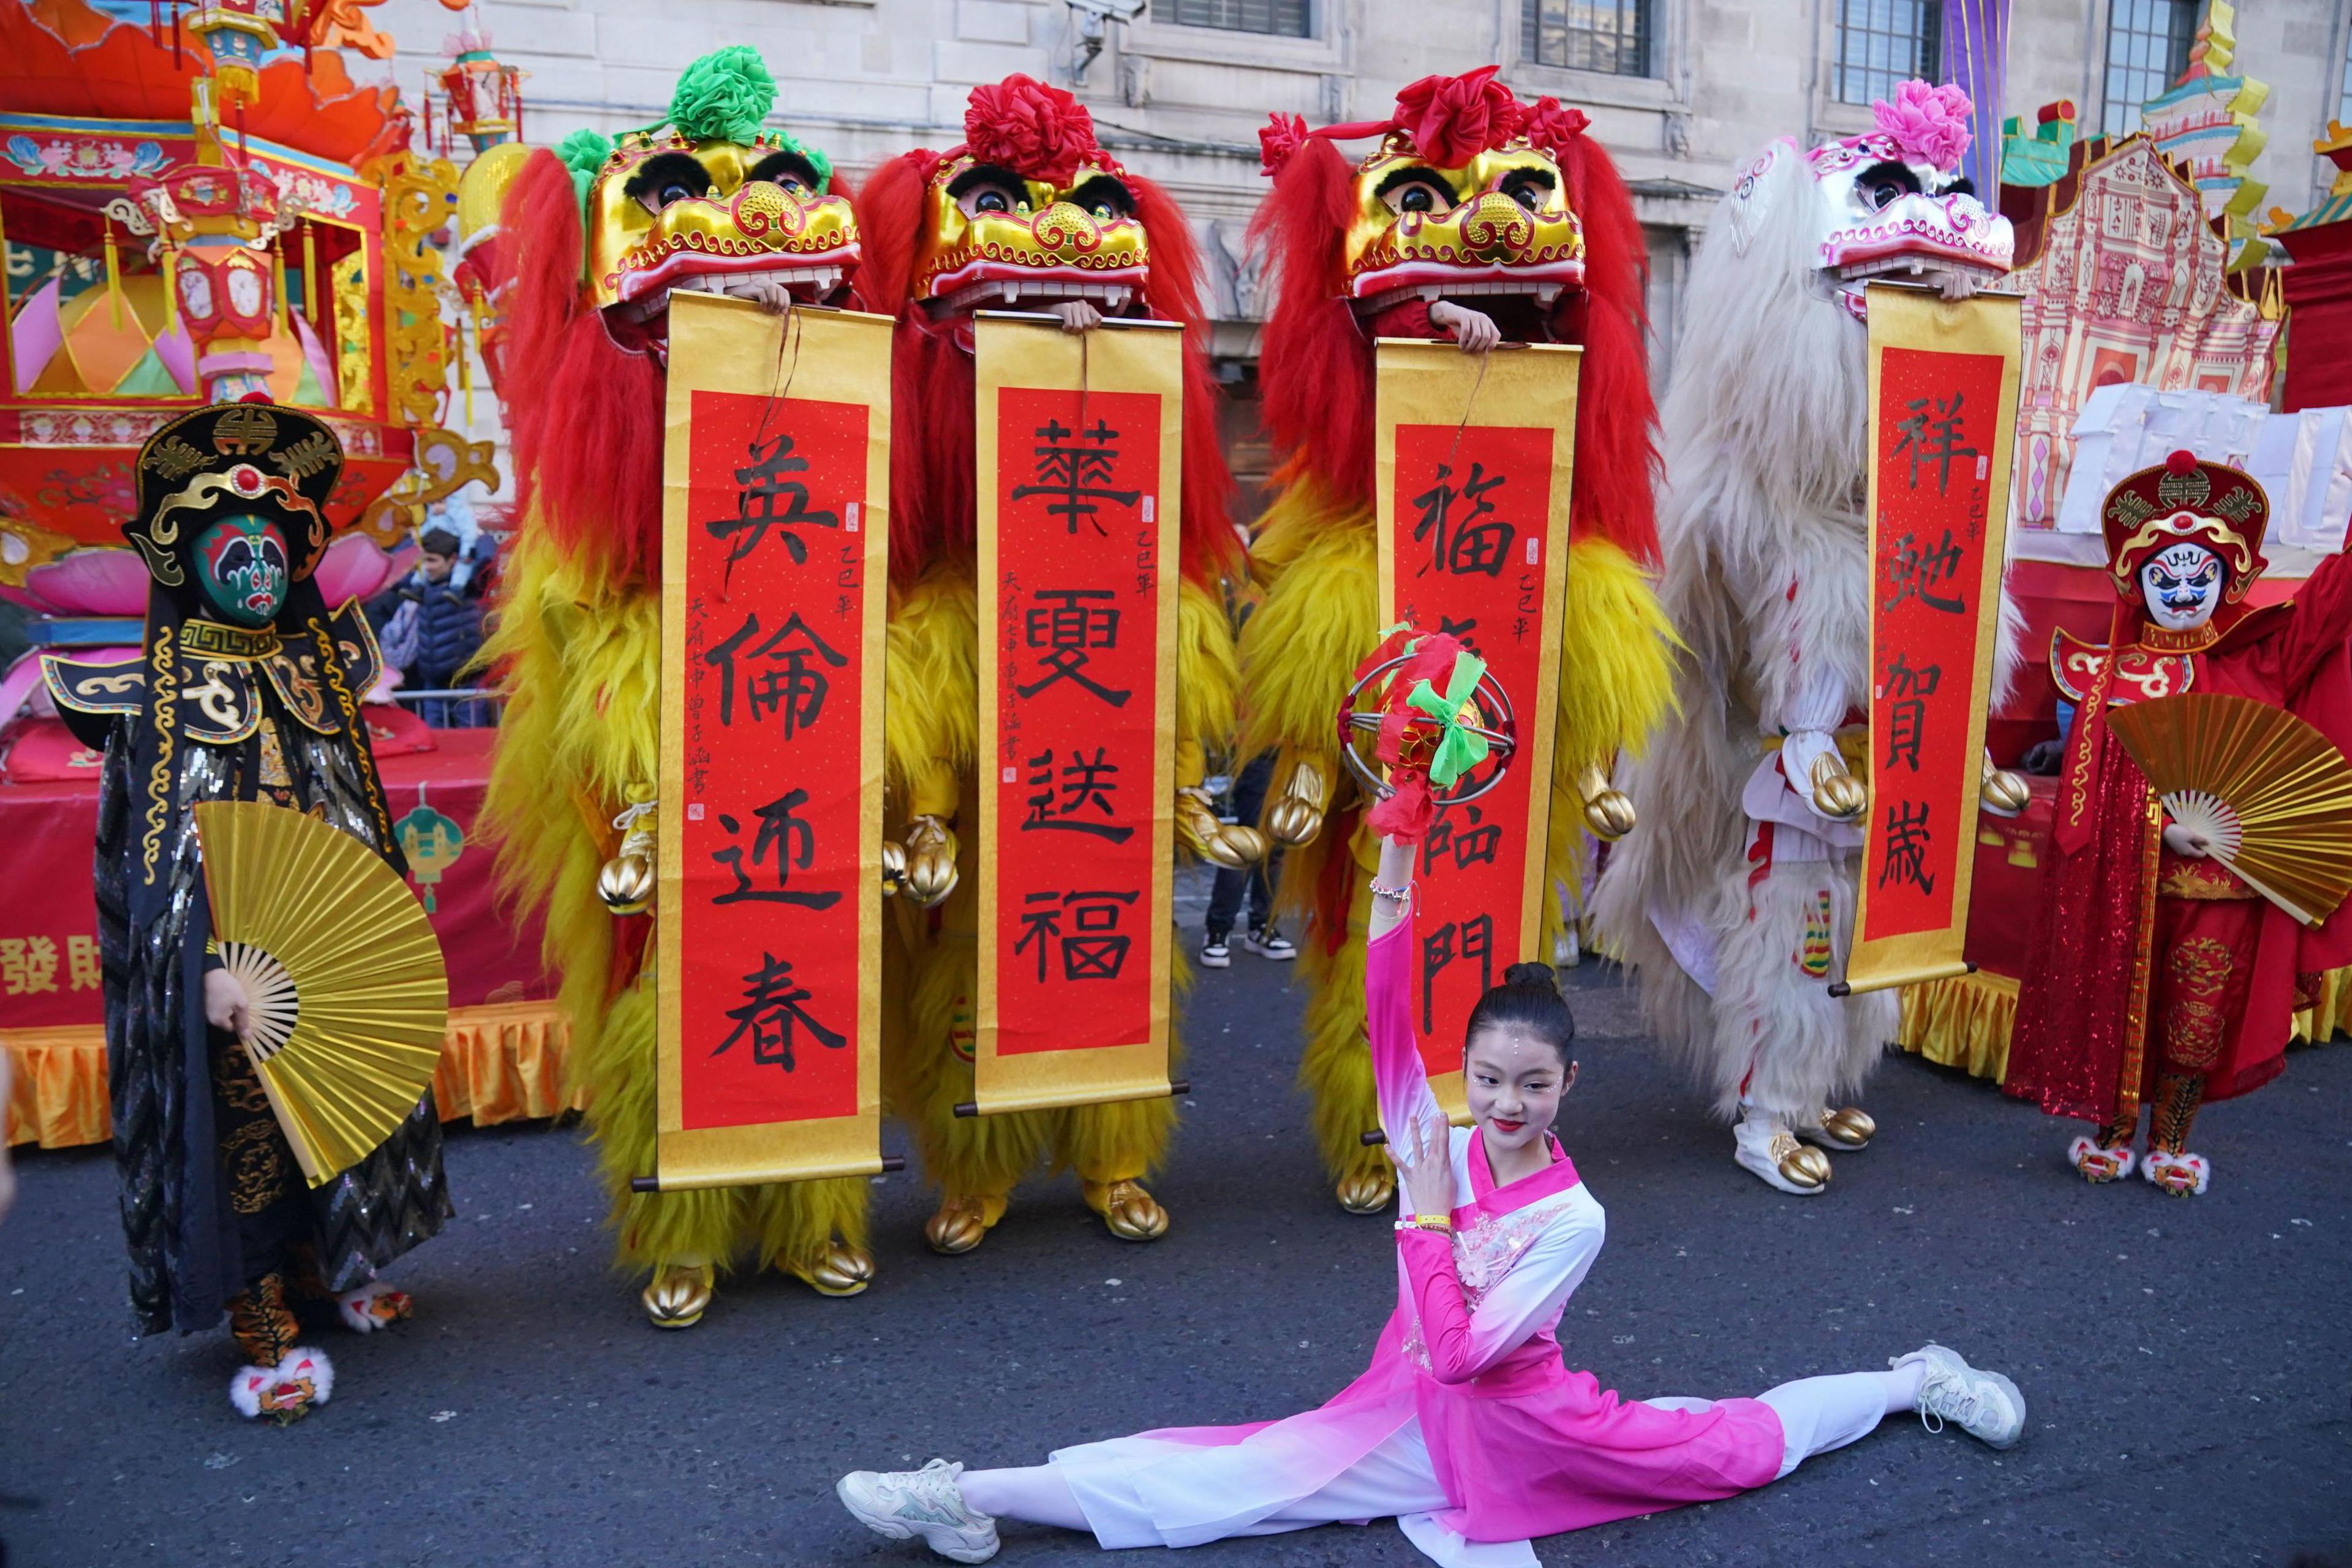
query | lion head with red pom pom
[1471, 197]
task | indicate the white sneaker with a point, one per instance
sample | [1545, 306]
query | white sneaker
[1268, 942]
[1215, 955]
[902, 1504]
[1985, 1404]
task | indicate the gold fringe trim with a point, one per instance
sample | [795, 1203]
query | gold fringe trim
[1963, 1022]
[499, 1062]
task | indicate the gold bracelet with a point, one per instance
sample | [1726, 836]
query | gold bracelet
[1426, 1222]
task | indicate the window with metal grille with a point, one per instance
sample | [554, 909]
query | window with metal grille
[1608, 36]
[1884, 42]
[1284, 19]
[2148, 46]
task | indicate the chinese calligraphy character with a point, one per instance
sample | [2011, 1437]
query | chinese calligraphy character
[1905, 847]
[1468, 544]
[1907, 690]
[1083, 784]
[756, 504]
[1932, 435]
[1077, 476]
[796, 691]
[771, 1015]
[1468, 940]
[29, 965]
[1070, 633]
[1912, 571]
[793, 842]
[1473, 846]
[1094, 949]
[81, 960]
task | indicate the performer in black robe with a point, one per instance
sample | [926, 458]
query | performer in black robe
[247, 688]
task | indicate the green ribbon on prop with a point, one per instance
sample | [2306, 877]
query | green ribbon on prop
[1460, 747]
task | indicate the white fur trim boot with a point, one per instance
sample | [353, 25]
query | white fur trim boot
[2098, 1162]
[1768, 1151]
[902, 1504]
[1984, 1404]
[284, 1392]
[373, 1306]
[2184, 1176]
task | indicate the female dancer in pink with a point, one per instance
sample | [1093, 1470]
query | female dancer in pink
[1466, 1428]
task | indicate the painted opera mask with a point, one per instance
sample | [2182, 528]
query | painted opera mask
[2184, 539]
[241, 569]
[667, 211]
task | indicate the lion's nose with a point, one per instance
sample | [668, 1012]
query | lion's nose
[1496, 228]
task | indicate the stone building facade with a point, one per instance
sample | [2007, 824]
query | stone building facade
[1680, 91]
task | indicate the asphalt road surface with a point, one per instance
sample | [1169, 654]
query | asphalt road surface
[2185, 1361]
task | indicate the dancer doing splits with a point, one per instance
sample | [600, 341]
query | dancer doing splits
[1466, 1428]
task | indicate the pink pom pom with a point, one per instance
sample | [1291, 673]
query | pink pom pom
[1931, 123]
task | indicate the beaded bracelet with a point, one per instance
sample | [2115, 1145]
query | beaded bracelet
[1426, 1222]
[1381, 892]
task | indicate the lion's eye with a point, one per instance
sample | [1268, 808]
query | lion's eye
[991, 202]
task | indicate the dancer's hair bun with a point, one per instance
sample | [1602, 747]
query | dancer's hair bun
[1536, 975]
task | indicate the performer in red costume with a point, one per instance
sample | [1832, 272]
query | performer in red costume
[2157, 975]
[1028, 213]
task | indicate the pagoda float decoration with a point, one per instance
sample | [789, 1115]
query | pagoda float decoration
[476, 99]
[197, 206]
[2205, 121]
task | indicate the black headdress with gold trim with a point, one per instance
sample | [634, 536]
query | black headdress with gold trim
[202, 683]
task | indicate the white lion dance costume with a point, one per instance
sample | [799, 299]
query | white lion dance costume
[1734, 898]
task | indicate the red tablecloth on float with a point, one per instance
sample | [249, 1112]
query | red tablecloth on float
[503, 1056]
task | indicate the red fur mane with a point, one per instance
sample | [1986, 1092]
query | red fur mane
[584, 417]
[932, 451]
[1316, 368]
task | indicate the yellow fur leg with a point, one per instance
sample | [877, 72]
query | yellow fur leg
[815, 1231]
[1208, 674]
[977, 1157]
[654, 1228]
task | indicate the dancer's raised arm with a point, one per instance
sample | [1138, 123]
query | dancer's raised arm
[1401, 1084]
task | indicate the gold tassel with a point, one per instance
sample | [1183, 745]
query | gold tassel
[277, 273]
[311, 273]
[113, 280]
[170, 286]
[465, 371]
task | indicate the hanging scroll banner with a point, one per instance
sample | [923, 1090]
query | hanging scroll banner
[1474, 464]
[775, 544]
[1080, 441]
[1943, 416]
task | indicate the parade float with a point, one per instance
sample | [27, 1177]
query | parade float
[2149, 324]
[199, 203]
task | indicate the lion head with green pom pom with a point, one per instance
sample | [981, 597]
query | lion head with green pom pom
[708, 198]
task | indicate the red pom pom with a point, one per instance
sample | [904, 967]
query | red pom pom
[1453, 118]
[255, 397]
[1550, 126]
[1282, 135]
[1031, 128]
[2181, 463]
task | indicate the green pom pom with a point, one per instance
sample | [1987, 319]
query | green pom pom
[723, 96]
[585, 151]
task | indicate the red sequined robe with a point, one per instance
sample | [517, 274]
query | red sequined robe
[2143, 959]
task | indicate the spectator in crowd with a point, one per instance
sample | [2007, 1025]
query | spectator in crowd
[1260, 936]
[431, 627]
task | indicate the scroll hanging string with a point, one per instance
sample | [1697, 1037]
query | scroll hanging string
[779, 384]
[1468, 403]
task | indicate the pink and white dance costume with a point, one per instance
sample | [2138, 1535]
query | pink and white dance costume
[1467, 1428]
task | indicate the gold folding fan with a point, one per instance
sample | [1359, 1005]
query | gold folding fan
[349, 997]
[2271, 794]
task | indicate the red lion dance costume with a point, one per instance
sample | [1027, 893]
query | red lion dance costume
[712, 201]
[2158, 977]
[1009, 217]
[1475, 216]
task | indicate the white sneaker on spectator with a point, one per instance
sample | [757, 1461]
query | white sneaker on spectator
[1214, 953]
[1268, 942]
[902, 1504]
